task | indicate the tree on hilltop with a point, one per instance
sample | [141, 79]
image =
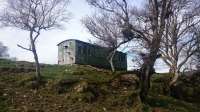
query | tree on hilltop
[34, 16]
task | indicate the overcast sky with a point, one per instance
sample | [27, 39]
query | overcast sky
[47, 43]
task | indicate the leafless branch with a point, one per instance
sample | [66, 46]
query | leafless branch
[28, 49]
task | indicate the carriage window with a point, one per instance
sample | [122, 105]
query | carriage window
[84, 49]
[92, 50]
[122, 58]
[80, 50]
[89, 51]
[69, 53]
[65, 47]
[70, 43]
[71, 58]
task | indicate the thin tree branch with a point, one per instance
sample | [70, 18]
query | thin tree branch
[28, 49]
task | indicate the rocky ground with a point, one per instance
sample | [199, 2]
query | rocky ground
[83, 89]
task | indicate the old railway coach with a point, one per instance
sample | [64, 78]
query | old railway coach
[77, 52]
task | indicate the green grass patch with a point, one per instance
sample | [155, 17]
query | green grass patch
[98, 97]
[7, 63]
[76, 72]
[3, 104]
[3, 99]
[171, 104]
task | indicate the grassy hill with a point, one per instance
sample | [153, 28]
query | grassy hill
[79, 88]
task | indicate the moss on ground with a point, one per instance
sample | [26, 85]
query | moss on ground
[170, 104]
[187, 87]
[76, 72]
[62, 93]
[3, 101]
[7, 63]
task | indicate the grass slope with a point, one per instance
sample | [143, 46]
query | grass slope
[17, 95]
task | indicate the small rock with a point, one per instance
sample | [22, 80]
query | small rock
[5, 94]
[127, 81]
[81, 86]
[104, 109]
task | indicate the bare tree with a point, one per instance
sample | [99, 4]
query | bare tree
[104, 28]
[147, 25]
[3, 51]
[34, 16]
[179, 40]
[197, 54]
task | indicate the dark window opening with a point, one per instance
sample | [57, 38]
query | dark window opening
[69, 53]
[71, 58]
[92, 51]
[70, 43]
[84, 49]
[89, 51]
[65, 47]
[80, 50]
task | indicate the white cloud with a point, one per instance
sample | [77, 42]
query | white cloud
[47, 43]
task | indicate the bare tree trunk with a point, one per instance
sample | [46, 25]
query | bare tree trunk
[146, 74]
[175, 71]
[37, 64]
[147, 71]
[110, 59]
[175, 77]
[144, 82]
[112, 65]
